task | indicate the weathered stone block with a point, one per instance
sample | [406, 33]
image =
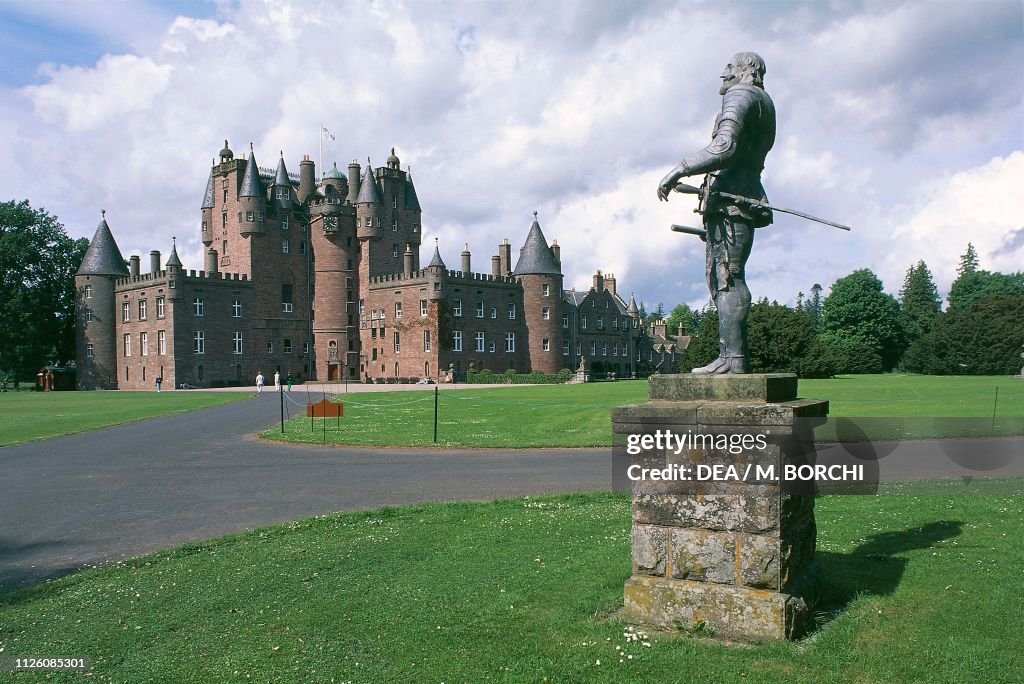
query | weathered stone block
[760, 561]
[726, 512]
[761, 387]
[730, 612]
[702, 555]
[650, 549]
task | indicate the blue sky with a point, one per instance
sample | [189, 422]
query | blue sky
[903, 120]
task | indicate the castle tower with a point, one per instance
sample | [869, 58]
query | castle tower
[95, 329]
[541, 277]
[634, 312]
[252, 203]
[208, 205]
[336, 257]
[282, 196]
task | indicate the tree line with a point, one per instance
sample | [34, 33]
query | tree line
[859, 328]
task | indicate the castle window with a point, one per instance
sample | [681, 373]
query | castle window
[565, 348]
[494, 312]
[199, 342]
[144, 344]
[457, 340]
[510, 342]
[479, 309]
[512, 312]
[545, 289]
[142, 309]
[604, 349]
[615, 323]
[457, 308]
[88, 351]
[362, 307]
[373, 333]
[579, 348]
[615, 349]
[284, 247]
[197, 306]
[284, 223]
[302, 246]
[583, 322]
[205, 228]
[237, 343]
[593, 348]
[88, 315]
[415, 227]
[479, 341]
[224, 220]
[398, 343]
[394, 201]
[349, 297]
[305, 348]
[259, 217]
[545, 313]
[349, 282]
[127, 344]
[426, 340]
[378, 221]
[286, 297]
[545, 345]
[374, 354]
[250, 216]
[161, 342]
[423, 307]
[394, 225]
[160, 311]
[348, 264]
[126, 310]
[565, 320]
[369, 222]
[282, 193]
[600, 322]
[287, 345]
[398, 309]
[88, 291]
[394, 250]
[225, 196]
[270, 347]
[236, 309]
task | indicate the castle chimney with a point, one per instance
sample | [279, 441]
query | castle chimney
[353, 181]
[133, 265]
[609, 283]
[658, 328]
[307, 178]
[505, 253]
[465, 259]
[154, 261]
[681, 332]
[495, 265]
[211, 260]
[599, 282]
[409, 259]
[557, 251]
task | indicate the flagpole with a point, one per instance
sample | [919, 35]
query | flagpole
[321, 136]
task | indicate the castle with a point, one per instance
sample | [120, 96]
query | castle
[324, 281]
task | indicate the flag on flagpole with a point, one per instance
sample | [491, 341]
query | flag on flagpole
[326, 133]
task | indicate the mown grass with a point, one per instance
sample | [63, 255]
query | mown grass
[538, 416]
[26, 416]
[918, 589]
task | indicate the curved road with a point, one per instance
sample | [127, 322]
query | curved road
[119, 492]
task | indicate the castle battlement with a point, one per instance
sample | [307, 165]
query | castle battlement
[152, 278]
[483, 277]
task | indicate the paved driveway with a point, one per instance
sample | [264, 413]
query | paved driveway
[123, 491]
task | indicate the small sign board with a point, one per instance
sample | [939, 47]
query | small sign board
[325, 409]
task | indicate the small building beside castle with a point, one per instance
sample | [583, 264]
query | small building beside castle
[324, 281]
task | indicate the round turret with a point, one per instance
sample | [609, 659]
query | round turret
[252, 202]
[95, 317]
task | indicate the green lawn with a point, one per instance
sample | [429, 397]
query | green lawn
[538, 416]
[26, 416]
[919, 589]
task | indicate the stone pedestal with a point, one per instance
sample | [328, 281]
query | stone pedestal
[727, 545]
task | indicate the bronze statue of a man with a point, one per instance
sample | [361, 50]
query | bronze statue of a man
[744, 132]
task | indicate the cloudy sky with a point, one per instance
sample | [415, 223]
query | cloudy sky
[903, 120]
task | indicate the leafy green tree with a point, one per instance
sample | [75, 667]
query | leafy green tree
[968, 261]
[37, 296]
[983, 339]
[681, 313]
[703, 347]
[973, 286]
[779, 337]
[862, 322]
[919, 301]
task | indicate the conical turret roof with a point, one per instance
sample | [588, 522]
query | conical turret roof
[536, 257]
[369, 193]
[208, 197]
[411, 200]
[173, 259]
[251, 184]
[437, 260]
[103, 257]
[281, 178]
[632, 309]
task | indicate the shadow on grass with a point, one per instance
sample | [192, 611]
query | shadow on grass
[874, 567]
[20, 568]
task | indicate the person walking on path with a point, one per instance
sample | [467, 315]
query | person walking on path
[289, 382]
[159, 381]
[277, 381]
[259, 383]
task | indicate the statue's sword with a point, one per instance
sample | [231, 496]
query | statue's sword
[691, 190]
